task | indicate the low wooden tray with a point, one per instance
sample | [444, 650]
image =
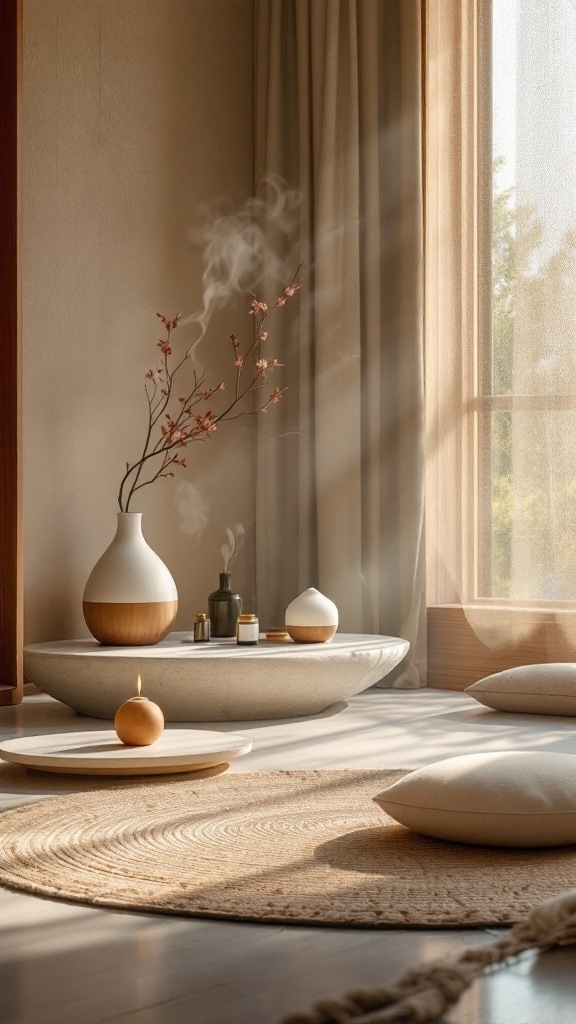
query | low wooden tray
[100, 752]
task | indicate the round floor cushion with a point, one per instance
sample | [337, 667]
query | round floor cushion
[532, 689]
[502, 798]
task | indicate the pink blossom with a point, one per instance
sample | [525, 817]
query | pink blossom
[258, 307]
[239, 362]
[291, 289]
[281, 300]
[274, 397]
[182, 398]
[179, 436]
[171, 324]
[206, 423]
[261, 365]
[165, 347]
[262, 335]
[173, 435]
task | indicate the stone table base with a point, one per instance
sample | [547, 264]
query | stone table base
[216, 681]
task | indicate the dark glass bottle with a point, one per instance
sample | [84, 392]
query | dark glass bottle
[224, 607]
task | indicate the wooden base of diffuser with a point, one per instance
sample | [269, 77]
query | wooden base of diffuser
[311, 634]
[130, 624]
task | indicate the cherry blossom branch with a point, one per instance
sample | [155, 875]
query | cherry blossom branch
[186, 425]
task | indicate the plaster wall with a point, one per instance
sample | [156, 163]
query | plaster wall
[135, 113]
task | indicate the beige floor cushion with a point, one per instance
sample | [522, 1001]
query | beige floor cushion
[503, 798]
[535, 689]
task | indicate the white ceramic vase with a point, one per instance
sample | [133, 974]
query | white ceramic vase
[311, 618]
[130, 597]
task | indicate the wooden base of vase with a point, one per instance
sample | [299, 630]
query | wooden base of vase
[130, 624]
[311, 634]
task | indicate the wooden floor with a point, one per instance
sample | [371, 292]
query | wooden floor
[62, 963]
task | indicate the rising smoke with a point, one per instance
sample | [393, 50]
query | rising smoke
[193, 508]
[234, 544]
[237, 246]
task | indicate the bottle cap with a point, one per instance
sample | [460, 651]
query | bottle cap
[247, 618]
[200, 616]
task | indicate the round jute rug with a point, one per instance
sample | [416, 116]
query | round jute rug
[308, 847]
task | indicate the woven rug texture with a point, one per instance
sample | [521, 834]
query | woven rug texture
[307, 847]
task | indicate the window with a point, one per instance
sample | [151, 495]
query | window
[501, 335]
[527, 524]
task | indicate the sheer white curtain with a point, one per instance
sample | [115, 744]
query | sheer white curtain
[340, 481]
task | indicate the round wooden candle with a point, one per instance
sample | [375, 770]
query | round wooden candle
[138, 722]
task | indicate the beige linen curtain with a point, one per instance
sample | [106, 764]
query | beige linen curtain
[340, 472]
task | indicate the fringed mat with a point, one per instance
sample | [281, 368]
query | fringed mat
[307, 847]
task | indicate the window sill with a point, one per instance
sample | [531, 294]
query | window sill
[503, 636]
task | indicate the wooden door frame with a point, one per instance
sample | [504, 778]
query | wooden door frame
[11, 570]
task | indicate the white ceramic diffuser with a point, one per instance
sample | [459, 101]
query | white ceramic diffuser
[311, 618]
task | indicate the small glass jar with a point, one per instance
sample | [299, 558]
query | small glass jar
[201, 628]
[247, 629]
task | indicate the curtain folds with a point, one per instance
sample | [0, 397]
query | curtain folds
[340, 473]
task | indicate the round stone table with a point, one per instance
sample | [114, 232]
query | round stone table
[212, 682]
